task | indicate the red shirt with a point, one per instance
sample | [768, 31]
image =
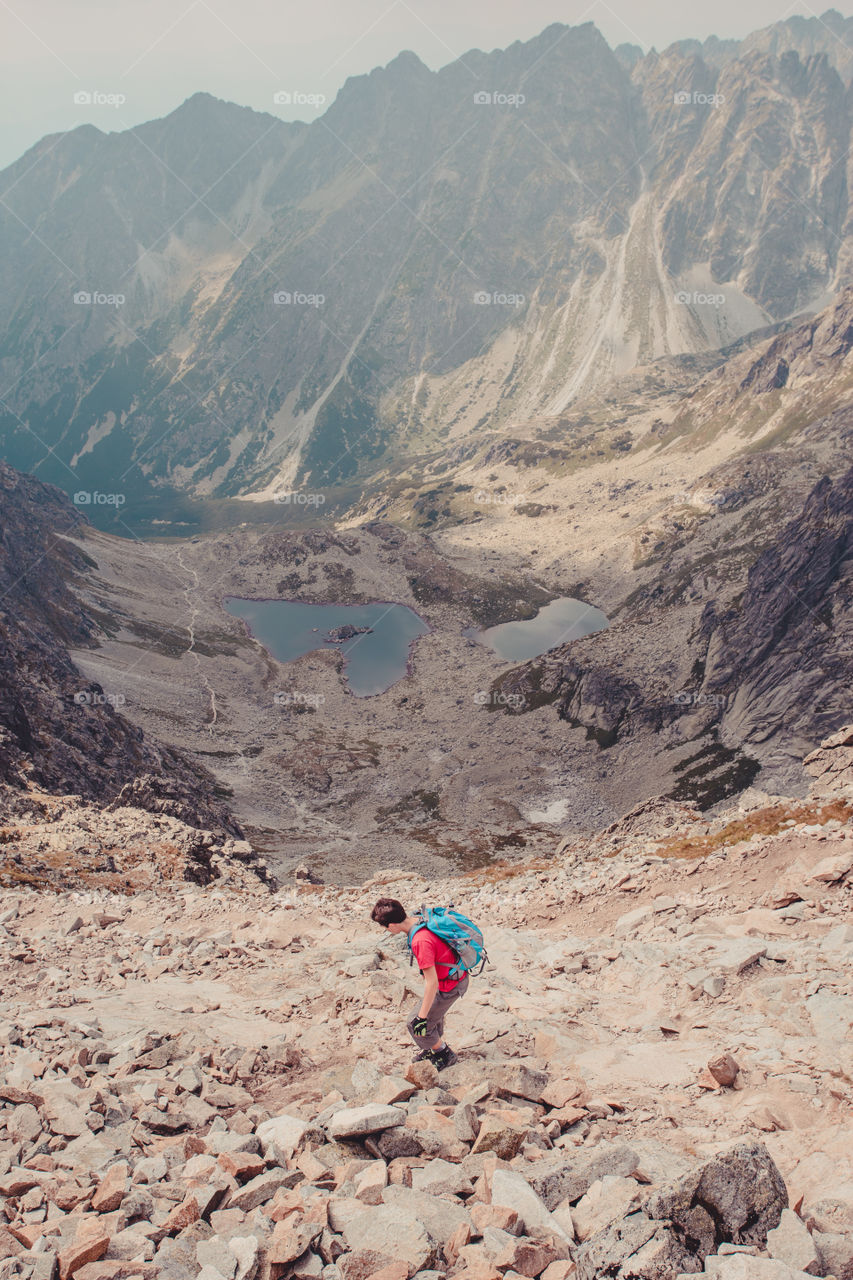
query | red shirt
[429, 950]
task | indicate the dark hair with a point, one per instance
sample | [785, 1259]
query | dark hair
[388, 911]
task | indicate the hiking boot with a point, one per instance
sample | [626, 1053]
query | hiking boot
[443, 1058]
[423, 1055]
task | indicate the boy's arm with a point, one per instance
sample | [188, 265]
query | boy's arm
[430, 990]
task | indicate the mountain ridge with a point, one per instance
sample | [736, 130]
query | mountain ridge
[391, 208]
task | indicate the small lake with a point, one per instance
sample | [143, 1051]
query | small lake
[556, 623]
[373, 661]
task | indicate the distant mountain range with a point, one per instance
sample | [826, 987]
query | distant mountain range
[223, 303]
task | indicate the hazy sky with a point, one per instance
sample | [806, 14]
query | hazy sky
[156, 53]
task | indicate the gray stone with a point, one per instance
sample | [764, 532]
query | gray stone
[150, 1169]
[440, 1217]
[397, 1142]
[392, 1230]
[440, 1177]
[356, 1122]
[836, 1253]
[24, 1124]
[342, 1211]
[838, 939]
[45, 1266]
[511, 1190]
[234, 1143]
[465, 1122]
[518, 1080]
[259, 1190]
[569, 1176]
[361, 1264]
[831, 1015]
[307, 1267]
[129, 1244]
[635, 1249]
[737, 1196]
[741, 1266]
[791, 1242]
[246, 1250]
[282, 1135]
[607, 1200]
[365, 1078]
[217, 1253]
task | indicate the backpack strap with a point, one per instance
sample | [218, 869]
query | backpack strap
[449, 965]
[411, 935]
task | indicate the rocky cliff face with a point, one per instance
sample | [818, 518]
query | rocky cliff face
[733, 650]
[59, 732]
[439, 250]
[759, 678]
[780, 660]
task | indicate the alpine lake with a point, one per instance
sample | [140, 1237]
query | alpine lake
[377, 639]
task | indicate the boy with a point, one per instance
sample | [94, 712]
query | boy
[435, 960]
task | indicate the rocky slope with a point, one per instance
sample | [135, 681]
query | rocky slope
[762, 675]
[654, 1073]
[71, 764]
[729, 595]
[667, 206]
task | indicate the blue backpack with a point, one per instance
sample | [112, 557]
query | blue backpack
[460, 934]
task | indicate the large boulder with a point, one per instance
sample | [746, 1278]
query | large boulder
[511, 1190]
[736, 1197]
[440, 1217]
[791, 1242]
[607, 1200]
[357, 1122]
[568, 1176]
[637, 1248]
[390, 1230]
[282, 1135]
[518, 1080]
[831, 765]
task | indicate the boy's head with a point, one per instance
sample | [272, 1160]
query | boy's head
[391, 914]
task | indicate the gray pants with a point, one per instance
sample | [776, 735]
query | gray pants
[435, 1017]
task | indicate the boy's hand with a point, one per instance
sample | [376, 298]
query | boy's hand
[419, 1026]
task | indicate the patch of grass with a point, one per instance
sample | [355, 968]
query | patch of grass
[498, 872]
[762, 822]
